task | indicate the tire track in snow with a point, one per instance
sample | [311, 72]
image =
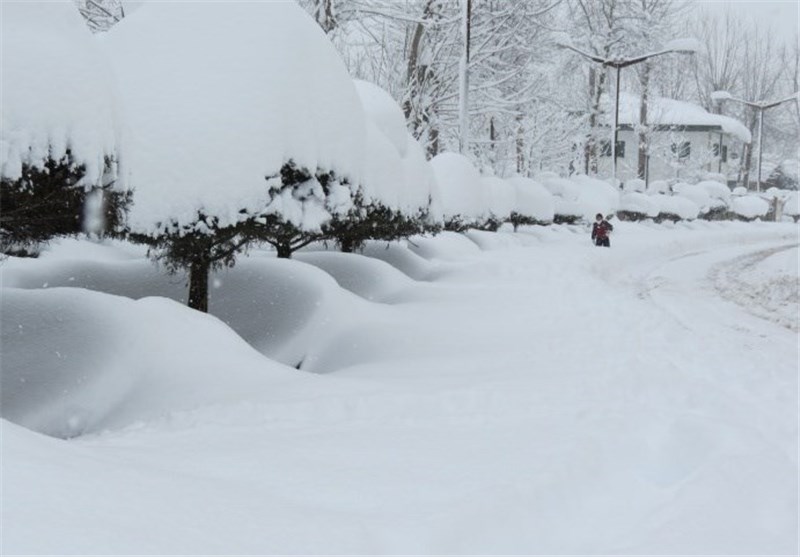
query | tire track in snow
[775, 299]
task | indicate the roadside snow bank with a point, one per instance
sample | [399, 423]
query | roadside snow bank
[76, 361]
[281, 307]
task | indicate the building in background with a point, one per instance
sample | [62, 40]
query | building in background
[684, 141]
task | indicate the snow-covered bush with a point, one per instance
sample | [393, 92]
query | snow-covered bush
[636, 206]
[465, 201]
[59, 137]
[502, 199]
[534, 203]
[699, 196]
[674, 208]
[658, 186]
[386, 205]
[595, 196]
[791, 205]
[634, 185]
[715, 177]
[786, 175]
[236, 137]
[749, 207]
[716, 190]
[565, 194]
[719, 200]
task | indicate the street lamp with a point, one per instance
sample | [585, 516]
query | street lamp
[680, 46]
[761, 106]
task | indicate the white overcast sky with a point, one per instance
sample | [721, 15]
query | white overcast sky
[783, 16]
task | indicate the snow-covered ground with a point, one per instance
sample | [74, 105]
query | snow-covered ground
[480, 393]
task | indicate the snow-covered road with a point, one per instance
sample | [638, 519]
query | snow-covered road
[544, 396]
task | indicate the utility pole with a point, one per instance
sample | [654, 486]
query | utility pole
[463, 104]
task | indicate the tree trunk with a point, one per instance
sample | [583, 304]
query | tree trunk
[520, 145]
[747, 164]
[346, 245]
[596, 82]
[284, 250]
[641, 171]
[418, 76]
[198, 285]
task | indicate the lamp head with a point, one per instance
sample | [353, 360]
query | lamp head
[720, 96]
[687, 45]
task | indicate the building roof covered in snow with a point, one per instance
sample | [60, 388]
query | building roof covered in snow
[672, 114]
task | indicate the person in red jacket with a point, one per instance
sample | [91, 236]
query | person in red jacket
[600, 231]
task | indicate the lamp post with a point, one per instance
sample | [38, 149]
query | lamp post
[680, 46]
[761, 106]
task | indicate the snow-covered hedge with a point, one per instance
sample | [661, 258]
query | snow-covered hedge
[246, 127]
[57, 92]
[749, 207]
[675, 207]
[465, 200]
[658, 186]
[59, 128]
[566, 206]
[791, 205]
[596, 196]
[217, 102]
[534, 203]
[634, 185]
[502, 198]
[635, 206]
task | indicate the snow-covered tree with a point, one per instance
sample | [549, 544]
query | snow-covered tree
[394, 194]
[60, 127]
[101, 15]
[237, 139]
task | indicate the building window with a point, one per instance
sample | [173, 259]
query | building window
[682, 150]
[724, 156]
[605, 149]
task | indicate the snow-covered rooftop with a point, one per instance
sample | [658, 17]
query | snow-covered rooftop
[672, 112]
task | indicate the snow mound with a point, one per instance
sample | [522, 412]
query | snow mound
[385, 113]
[419, 187]
[637, 202]
[383, 169]
[462, 193]
[676, 205]
[533, 199]
[749, 206]
[502, 197]
[565, 195]
[399, 256]
[446, 246]
[595, 196]
[76, 361]
[220, 96]
[699, 195]
[280, 307]
[369, 278]
[57, 91]
[488, 241]
[634, 185]
[717, 190]
[658, 186]
[792, 205]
